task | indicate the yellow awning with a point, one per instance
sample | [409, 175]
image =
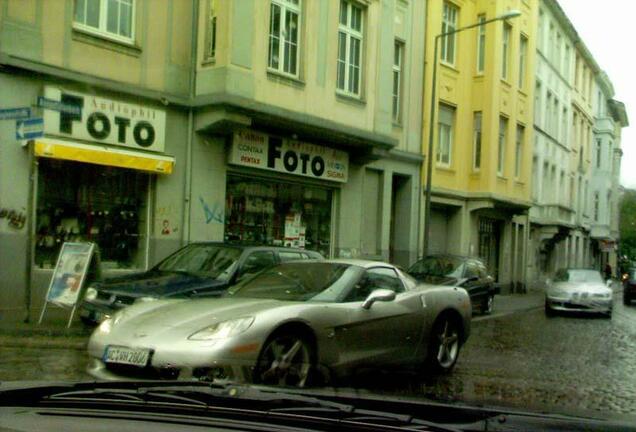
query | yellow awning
[103, 155]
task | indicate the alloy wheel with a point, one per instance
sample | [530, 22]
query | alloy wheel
[447, 344]
[285, 361]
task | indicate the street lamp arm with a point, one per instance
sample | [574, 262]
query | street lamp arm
[511, 14]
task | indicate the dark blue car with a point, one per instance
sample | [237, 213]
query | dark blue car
[196, 270]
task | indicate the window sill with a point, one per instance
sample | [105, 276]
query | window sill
[520, 183]
[353, 100]
[502, 178]
[285, 79]
[105, 42]
[449, 66]
[209, 61]
[397, 125]
[479, 76]
[522, 92]
[505, 82]
[446, 168]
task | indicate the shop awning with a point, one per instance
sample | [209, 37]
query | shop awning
[103, 155]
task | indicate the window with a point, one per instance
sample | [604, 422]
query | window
[80, 202]
[540, 31]
[373, 279]
[477, 141]
[284, 35]
[113, 18]
[255, 262]
[548, 113]
[519, 150]
[523, 48]
[449, 24]
[501, 150]
[445, 135]
[398, 59]
[349, 49]
[598, 153]
[535, 179]
[562, 191]
[566, 63]
[555, 119]
[481, 44]
[596, 206]
[564, 126]
[290, 256]
[557, 51]
[505, 47]
[537, 104]
[550, 49]
[210, 37]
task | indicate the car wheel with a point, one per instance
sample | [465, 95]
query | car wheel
[548, 310]
[287, 359]
[488, 304]
[626, 300]
[444, 345]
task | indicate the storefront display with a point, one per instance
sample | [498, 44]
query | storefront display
[78, 202]
[278, 214]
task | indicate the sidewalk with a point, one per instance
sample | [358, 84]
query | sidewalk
[52, 333]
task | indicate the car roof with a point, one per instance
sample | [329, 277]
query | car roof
[449, 255]
[254, 246]
[359, 262]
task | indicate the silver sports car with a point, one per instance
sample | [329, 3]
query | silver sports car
[294, 324]
[578, 290]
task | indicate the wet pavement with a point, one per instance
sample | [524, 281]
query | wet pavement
[519, 359]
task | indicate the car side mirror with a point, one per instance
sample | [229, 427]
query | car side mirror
[383, 295]
[608, 283]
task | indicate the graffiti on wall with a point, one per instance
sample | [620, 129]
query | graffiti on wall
[215, 214]
[16, 219]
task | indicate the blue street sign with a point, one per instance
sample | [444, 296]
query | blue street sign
[15, 113]
[29, 129]
[54, 105]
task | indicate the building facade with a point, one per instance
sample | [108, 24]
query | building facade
[282, 122]
[482, 134]
[610, 117]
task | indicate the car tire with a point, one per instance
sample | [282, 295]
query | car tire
[549, 312]
[444, 344]
[626, 300]
[487, 305]
[287, 359]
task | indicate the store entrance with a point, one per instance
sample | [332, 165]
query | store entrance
[276, 213]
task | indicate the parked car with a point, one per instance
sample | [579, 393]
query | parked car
[196, 270]
[578, 290]
[629, 286]
[288, 325]
[466, 272]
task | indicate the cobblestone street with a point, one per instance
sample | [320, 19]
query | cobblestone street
[522, 359]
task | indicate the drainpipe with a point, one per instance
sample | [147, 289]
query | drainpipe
[187, 209]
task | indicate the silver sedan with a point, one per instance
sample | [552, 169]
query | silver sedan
[578, 290]
[296, 324]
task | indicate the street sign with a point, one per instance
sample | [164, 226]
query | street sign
[15, 113]
[29, 129]
[54, 105]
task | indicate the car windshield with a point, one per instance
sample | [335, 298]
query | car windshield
[213, 261]
[324, 282]
[584, 276]
[440, 266]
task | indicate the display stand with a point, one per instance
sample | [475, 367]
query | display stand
[69, 275]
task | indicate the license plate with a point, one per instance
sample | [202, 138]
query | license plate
[129, 356]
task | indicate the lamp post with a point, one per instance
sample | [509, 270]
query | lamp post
[429, 167]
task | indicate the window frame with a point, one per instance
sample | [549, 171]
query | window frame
[396, 99]
[505, 50]
[350, 33]
[519, 144]
[523, 60]
[481, 45]
[477, 139]
[449, 147]
[501, 144]
[285, 7]
[101, 31]
[449, 43]
[209, 53]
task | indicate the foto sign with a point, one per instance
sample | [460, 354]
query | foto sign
[102, 120]
[258, 150]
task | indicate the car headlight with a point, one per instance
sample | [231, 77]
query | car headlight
[106, 326]
[146, 299]
[558, 292]
[91, 294]
[224, 329]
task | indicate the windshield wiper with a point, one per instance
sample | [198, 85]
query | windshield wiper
[233, 399]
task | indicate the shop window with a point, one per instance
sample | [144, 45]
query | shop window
[278, 214]
[79, 202]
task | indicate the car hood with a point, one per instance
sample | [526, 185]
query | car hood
[156, 284]
[589, 287]
[187, 315]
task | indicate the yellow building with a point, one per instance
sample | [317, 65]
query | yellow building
[482, 152]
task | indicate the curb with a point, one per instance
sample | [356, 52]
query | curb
[43, 343]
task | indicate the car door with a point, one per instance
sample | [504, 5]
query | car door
[387, 332]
